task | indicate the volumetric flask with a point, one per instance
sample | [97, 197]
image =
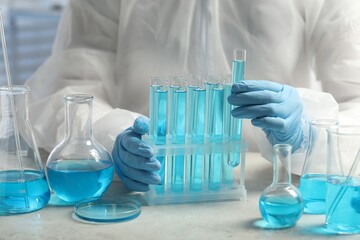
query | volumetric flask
[79, 167]
[23, 185]
[343, 183]
[281, 204]
[313, 177]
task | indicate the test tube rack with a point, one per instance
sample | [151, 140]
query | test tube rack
[196, 141]
[226, 190]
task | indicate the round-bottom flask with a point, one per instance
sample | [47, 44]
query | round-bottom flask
[79, 167]
[281, 204]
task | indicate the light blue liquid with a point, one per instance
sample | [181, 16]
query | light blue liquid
[159, 112]
[195, 134]
[313, 191]
[152, 112]
[159, 109]
[216, 135]
[75, 180]
[281, 212]
[238, 71]
[177, 132]
[208, 128]
[13, 193]
[229, 159]
[238, 74]
[343, 205]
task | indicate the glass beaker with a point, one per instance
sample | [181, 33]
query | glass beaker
[79, 167]
[23, 185]
[343, 183]
[313, 177]
[281, 204]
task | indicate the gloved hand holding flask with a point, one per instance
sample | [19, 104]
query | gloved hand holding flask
[133, 158]
[275, 108]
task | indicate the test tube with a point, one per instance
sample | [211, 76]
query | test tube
[214, 130]
[154, 85]
[158, 110]
[238, 74]
[195, 117]
[238, 65]
[229, 159]
[176, 132]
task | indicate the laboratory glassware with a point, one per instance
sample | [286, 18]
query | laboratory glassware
[313, 177]
[176, 131]
[195, 120]
[107, 209]
[79, 167]
[281, 204]
[23, 185]
[230, 160]
[158, 112]
[213, 129]
[234, 125]
[238, 65]
[343, 182]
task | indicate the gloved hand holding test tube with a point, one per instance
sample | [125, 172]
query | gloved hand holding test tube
[274, 107]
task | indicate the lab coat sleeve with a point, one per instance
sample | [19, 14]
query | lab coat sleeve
[333, 43]
[83, 61]
[336, 45]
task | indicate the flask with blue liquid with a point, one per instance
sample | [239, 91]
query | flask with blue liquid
[23, 185]
[79, 167]
[281, 204]
[314, 173]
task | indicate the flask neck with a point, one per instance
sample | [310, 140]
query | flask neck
[282, 164]
[14, 102]
[78, 113]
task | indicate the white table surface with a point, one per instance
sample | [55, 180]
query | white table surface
[217, 220]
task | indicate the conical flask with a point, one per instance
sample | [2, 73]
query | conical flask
[343, 181]
[281, 204]
[23, 185]
[79, 167]
[314, 174]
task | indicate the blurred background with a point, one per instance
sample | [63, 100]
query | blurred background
[30, 29]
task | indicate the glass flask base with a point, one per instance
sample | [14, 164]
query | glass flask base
[343, 229]
[280, 212]
[12, 197]
[343, 205]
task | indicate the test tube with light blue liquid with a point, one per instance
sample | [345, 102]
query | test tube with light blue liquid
[214, 130]
[158, 109]
[230, 160]
[238, 74]
[195, 117]
[176, 132]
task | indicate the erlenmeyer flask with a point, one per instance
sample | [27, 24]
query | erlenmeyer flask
[343, 181]
[281, 204]
[313, 177]
[23, 185]
[79, 167]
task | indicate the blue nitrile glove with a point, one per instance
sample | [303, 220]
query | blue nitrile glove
[133, 158]
[275, 108]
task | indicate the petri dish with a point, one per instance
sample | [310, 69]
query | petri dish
[107, 210]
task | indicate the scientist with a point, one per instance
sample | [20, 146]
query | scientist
[306, 54]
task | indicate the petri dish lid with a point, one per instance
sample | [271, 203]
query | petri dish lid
[107, 210]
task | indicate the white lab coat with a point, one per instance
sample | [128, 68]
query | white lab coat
[110, 48]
